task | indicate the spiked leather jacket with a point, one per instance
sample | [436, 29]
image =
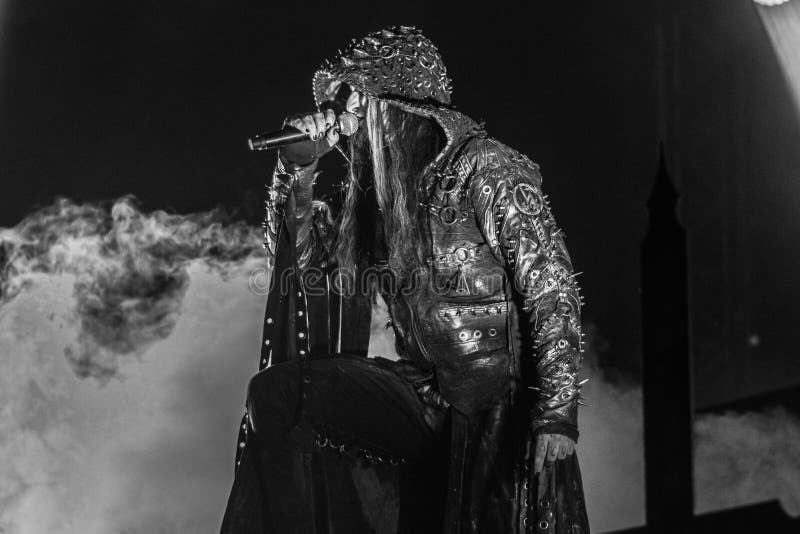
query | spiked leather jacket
[497, 259]
[491, 331]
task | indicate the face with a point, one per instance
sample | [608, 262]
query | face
[356, 104]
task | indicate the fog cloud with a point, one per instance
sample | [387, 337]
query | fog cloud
[126, 343]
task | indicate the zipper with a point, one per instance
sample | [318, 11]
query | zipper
[415, 332]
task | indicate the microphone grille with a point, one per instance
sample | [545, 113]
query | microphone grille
[348, 123]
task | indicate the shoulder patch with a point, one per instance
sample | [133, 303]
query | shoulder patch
[527, 199]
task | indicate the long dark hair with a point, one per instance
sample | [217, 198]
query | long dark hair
[391, 154]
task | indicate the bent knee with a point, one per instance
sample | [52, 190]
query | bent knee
[272, 397]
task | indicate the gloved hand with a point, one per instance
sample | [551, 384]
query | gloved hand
[319, 126]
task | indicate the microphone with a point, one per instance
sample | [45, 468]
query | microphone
[345, 124]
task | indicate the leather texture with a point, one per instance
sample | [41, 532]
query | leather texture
[494, 245]
[495, 319]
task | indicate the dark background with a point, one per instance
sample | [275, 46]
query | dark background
[156, 99]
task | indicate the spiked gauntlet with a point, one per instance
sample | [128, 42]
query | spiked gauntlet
[311, 219]
[516, 219]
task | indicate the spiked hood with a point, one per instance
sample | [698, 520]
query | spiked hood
[398, 62]
[403, 67]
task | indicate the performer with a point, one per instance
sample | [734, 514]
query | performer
[451, 228]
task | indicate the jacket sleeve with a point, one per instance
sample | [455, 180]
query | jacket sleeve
[311, 219]
[516, 220]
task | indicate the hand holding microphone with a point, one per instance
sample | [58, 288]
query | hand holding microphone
[306, 138]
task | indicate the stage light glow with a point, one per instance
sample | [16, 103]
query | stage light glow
[770, 2]
[783, 27]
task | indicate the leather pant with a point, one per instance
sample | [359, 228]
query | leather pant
[333, 434]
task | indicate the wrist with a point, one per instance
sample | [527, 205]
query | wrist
[557, 427]
[303, 177]
[559, 419]
[290, 166]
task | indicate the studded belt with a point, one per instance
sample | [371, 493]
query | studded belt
[457, 257]
[493, 308]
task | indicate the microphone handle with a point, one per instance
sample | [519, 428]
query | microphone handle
[287, 136]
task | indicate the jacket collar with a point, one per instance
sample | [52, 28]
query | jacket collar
[456, 126]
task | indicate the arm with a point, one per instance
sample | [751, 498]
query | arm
[518, 225]
[311, 219]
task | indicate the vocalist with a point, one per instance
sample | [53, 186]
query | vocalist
[473, 429]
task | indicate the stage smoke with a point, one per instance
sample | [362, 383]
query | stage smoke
[129, 271]
[126, 343]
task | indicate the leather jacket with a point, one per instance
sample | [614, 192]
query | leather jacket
[499, 302]
[493, 321]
